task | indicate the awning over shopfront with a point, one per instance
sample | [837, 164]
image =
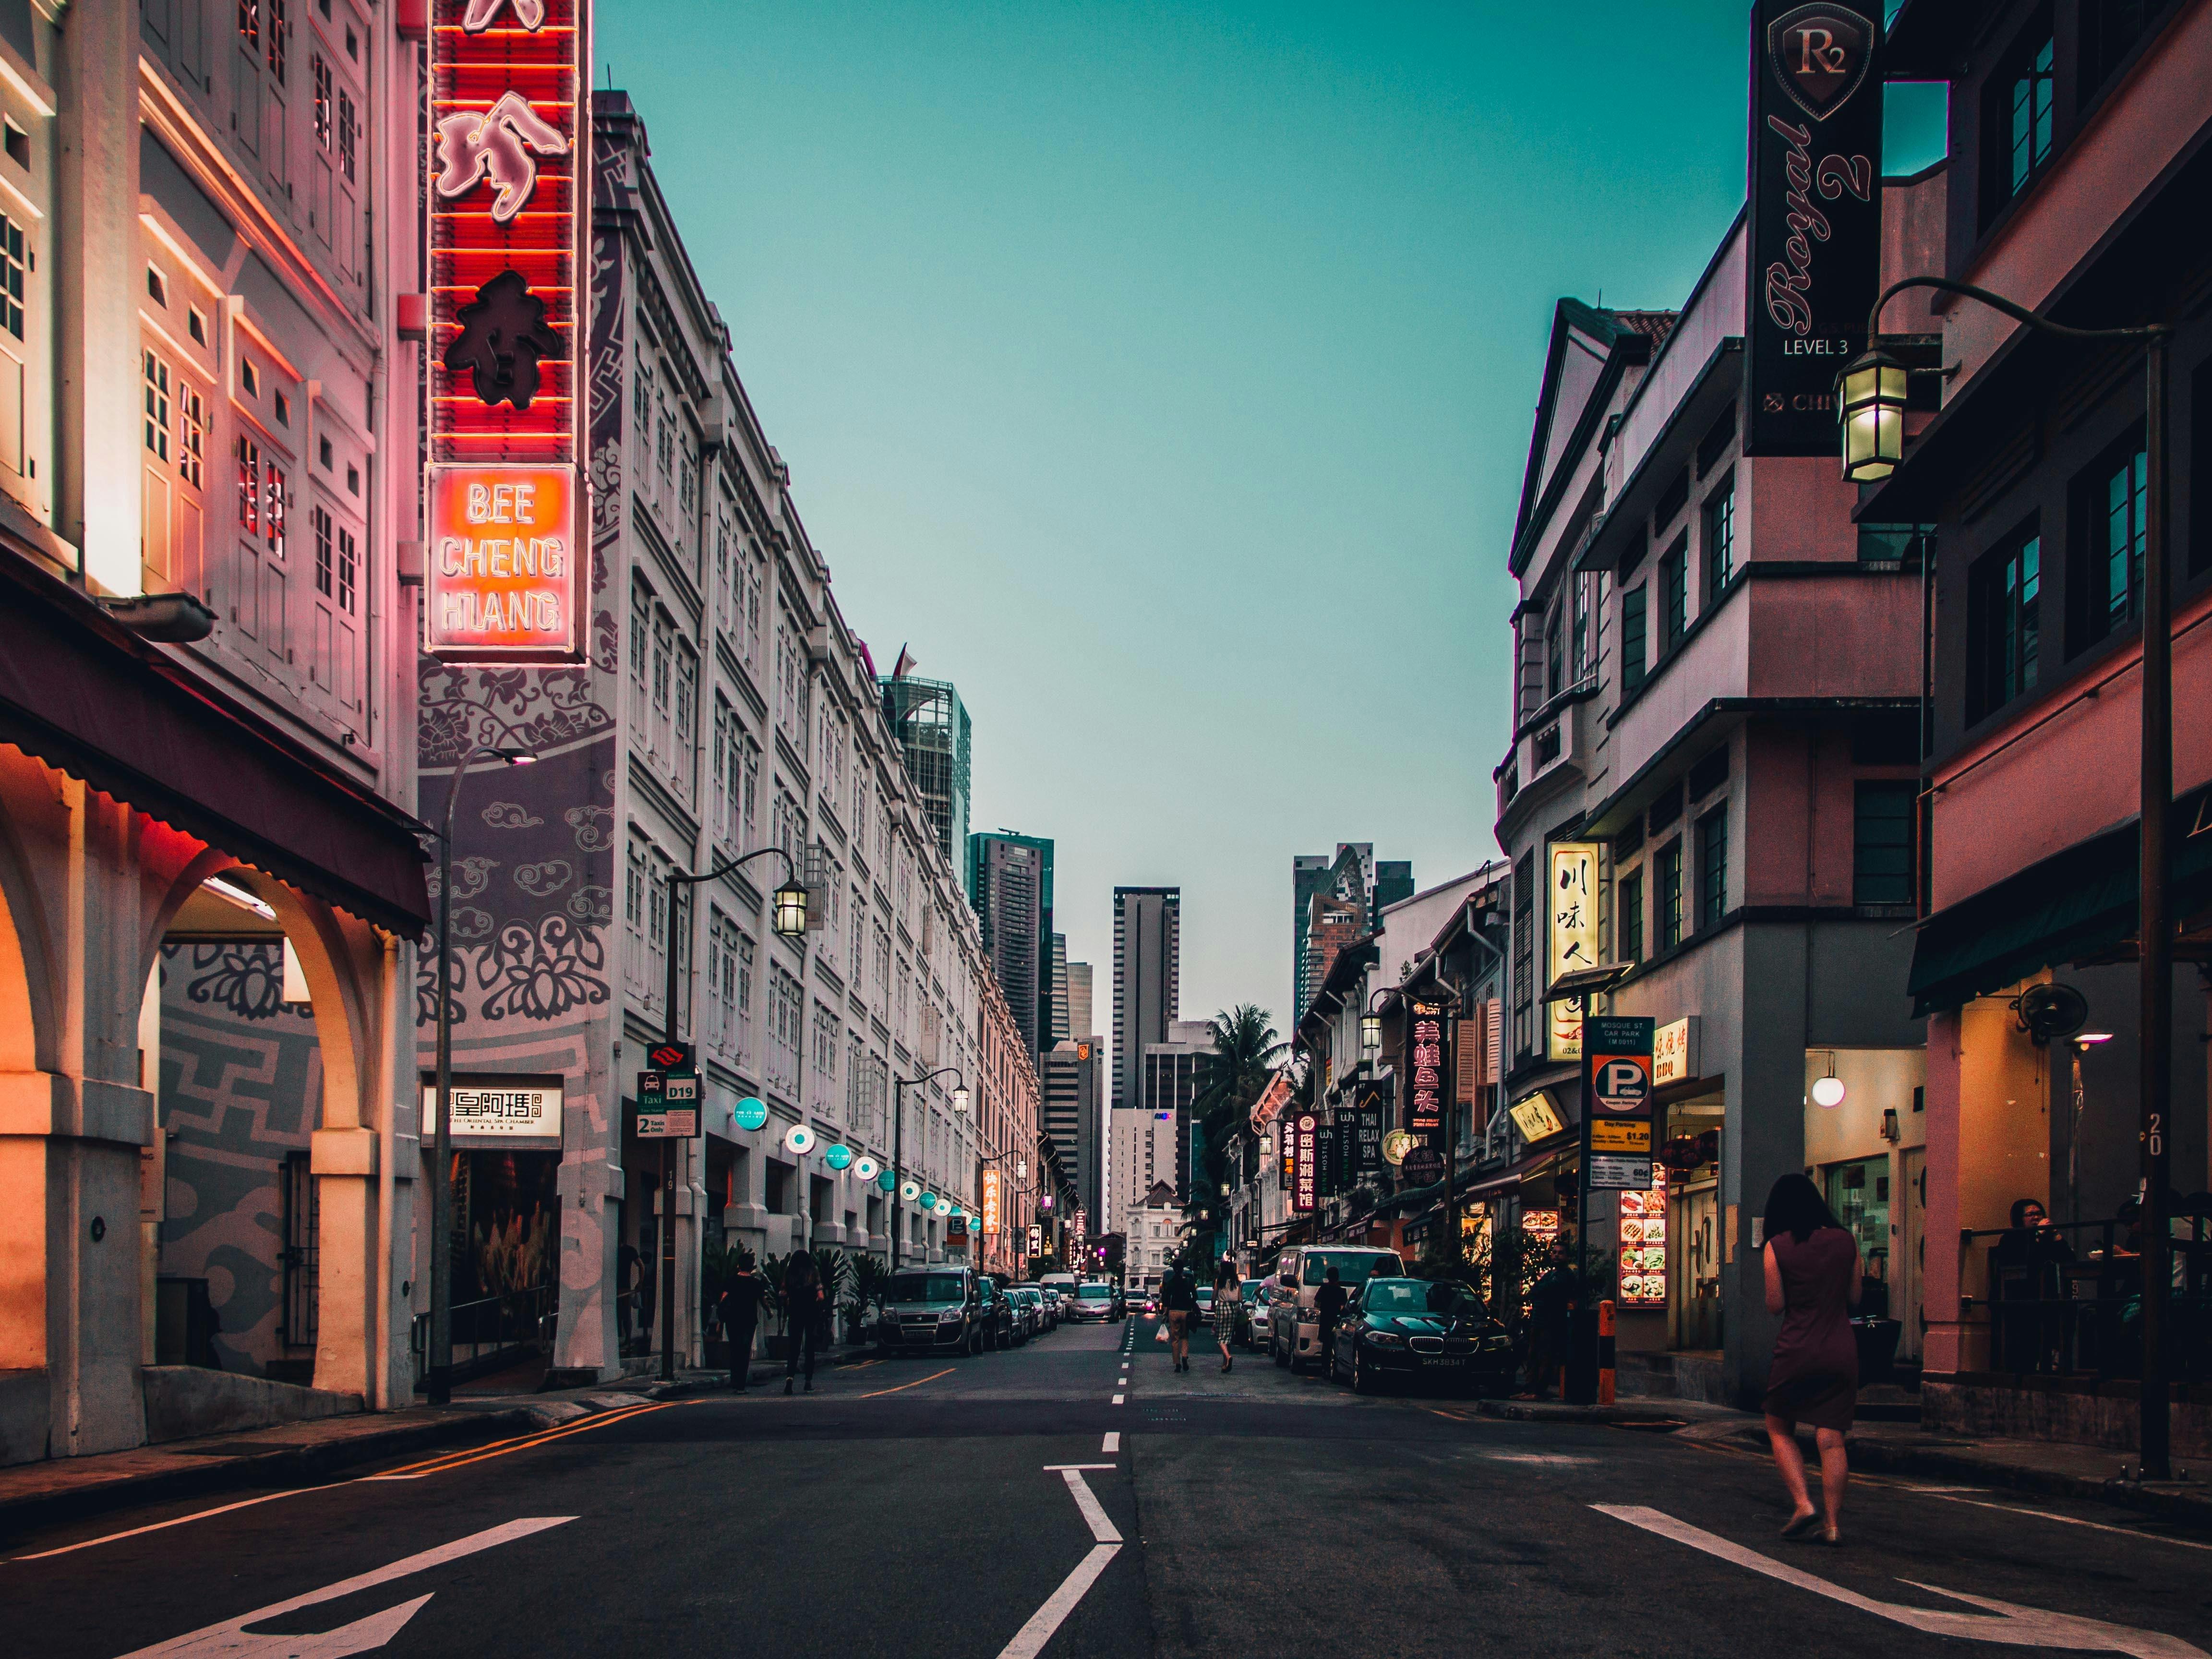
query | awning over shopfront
[2073, 905]
[87, 697]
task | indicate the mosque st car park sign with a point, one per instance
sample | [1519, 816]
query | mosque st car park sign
[1617, 1102]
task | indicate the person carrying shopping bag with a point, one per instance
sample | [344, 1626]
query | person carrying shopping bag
[1228, 1307]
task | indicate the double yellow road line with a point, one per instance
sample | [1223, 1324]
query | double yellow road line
[520, 1443]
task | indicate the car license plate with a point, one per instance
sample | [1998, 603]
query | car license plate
[1442, 1359]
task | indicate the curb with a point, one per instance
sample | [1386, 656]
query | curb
[289, 1465]
[1540, 1410]
[2169, 1501]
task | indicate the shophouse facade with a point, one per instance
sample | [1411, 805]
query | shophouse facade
[726, 707]
[1717, 682]
[2036, 476]
[211, 882]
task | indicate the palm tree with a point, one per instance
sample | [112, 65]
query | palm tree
[1245, 1054]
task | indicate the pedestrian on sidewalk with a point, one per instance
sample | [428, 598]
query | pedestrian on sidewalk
[1812, 1281]
[1551, 1324]
[1180, 1298]
[1329, 1308]
[740, 1310]
[802, 1315]
[1228, 1303]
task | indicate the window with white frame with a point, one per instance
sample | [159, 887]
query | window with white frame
[687, 703]
[634, 885]
[725, 603]
[749, 792]
[753, 574]
[663, 652]
[641, 648]
[826, 1038]
[721, 794]
[744, 995]
[656, 930]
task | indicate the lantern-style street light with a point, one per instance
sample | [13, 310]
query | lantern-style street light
[1871, 407]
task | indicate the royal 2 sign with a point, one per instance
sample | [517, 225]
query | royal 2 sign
[1815, 217]
[504, 578]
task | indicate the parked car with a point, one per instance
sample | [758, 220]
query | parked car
[1413, 1330]
[1060, 1285]
[1096, 1303]
[1028, 1304]
[1255, 1314]
[1046, 1306]
[999, 1316]
[938, 1310]
[1205, 1304]
[1293, 1336]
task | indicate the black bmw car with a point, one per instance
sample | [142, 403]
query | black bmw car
[1411, 1329]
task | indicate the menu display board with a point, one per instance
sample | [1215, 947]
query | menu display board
[1642, 1269]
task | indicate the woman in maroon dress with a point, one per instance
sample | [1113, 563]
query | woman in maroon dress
[1812, 1281]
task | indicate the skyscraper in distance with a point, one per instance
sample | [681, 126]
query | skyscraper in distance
[934, 735]
[1010, 889]
[1079, 1023]
[1147, 989]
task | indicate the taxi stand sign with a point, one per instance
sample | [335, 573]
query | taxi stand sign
[667, 1105]
[1617, 1102]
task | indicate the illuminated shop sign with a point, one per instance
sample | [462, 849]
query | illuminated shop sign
[518, 1112]
[1304, 1138]
[1571, 942]
[1428, 1063]
[991, 1202]
[503, 581]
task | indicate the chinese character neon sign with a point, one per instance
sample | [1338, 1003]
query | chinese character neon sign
[505, 580]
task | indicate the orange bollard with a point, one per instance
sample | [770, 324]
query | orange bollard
[1605, 1353]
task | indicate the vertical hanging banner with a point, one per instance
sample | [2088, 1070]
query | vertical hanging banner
[508, 193]
[1304, 1150]
[1428, 1063]
[1570, 942]
[1815, 191]
[992, 1201]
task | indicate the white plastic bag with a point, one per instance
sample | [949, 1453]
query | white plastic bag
[1161, 1334]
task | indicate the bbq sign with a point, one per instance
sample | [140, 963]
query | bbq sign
[510, 134]
[1617, 1097]
[1815, 217]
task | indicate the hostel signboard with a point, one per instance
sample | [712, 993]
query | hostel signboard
[507, 194]
[1618, 1103]
[1815, 216]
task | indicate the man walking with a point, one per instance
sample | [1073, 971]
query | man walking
[1329, 1308]
[1551, 1324]
[802, 1307]
[1180, 1298]
[740, 1311]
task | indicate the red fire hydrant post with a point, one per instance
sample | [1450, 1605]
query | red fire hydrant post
[1605, 1353]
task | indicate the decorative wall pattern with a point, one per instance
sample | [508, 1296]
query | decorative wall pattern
[241, 1086]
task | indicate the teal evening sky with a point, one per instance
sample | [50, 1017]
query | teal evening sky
[1163, 376]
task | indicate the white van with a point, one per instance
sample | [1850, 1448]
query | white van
[1294, 1336]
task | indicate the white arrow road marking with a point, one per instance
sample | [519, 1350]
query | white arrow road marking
[1113, 1440]
[1028, 1641]
[2026, 1627]
[231, 1640]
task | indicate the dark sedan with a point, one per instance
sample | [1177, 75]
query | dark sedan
[1412, 1329]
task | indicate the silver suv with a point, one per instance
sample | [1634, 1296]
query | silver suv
[936, 1310]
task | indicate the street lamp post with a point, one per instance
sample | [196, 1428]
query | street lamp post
[1872, 412]
[790, 923]
[899, 1087]
[438, 1381]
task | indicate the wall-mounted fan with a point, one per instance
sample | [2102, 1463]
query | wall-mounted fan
[2047, 1011]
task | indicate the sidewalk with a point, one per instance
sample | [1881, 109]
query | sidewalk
[308, 1453]
[2053, 1469]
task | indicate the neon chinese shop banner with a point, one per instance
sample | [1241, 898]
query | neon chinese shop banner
[1428, 1063]
[508, 210]
[1570, 941]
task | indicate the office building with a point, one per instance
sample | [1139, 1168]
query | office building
[1010, 889]
[932, 727]
[1173, 1074]
[1075, 1115]
[1346, 893]
[1147, 954]
[1057, 1028]
[1079, 998]
[1142, 1147]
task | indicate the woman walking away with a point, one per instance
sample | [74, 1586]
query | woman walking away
[1228, 1304]
[1179, 1297]
[802, 1309]
[1813, 1281]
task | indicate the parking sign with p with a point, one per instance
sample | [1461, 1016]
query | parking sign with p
[1617, 1080]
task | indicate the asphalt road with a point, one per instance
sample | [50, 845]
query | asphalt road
[928, 1508]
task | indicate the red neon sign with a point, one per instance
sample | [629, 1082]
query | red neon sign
[507, 189]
